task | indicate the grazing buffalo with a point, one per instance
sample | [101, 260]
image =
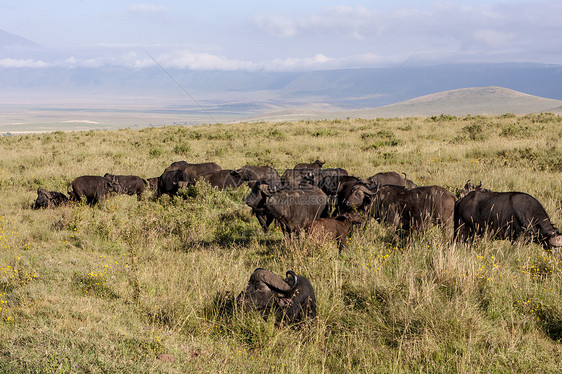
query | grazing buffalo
[256, 200]
[252, 174]
[344, 191]
[299, 178]
[223, 179]
[49, 199]
[335, 228]
[469, 187]
[92, 187]
[169, 182]
[130, 184]
[402, 208]
[316, 165]
[294, 209]
[291, 299]
[505, 215]
[391, 178]
[329, 180]
[193, 171]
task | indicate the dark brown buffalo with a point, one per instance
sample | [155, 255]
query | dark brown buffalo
[49, 199]
[329, 180]
[252, 174]
[391, 178]
[299, 178]
[469, 187]
[292, 299]
[505, 215]
[193, 171]
[168, 182]
[130, 184]
[344, 191]
[402, 208]
[294, 209]
[336, 228]
[223, 179]
[256, 200]
[93, 187]
[314, 165]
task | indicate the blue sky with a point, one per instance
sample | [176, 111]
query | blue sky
[280, 35]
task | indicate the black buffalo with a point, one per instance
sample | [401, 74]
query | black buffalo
[505, 215]
[402, 208]
[49, 199]
[294, 209]
[469, 187]
[223, 179]
[129, 184]
[317, 165]
[252, 174]
[256, 200]
[93, 187]
[391, 178]
[329, 180]
[298, 178]
[193, 171]
[291, 299]
[169, 181]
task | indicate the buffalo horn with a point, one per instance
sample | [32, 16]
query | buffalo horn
[480, 185]
[271, 279]
[292, 274]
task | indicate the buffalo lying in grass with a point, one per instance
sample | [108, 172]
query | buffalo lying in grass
[291, 299]
[49, 199]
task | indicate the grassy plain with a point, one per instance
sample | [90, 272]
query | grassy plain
[110, 288]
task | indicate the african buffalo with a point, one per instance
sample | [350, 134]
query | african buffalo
[336, 227]
[168, 182]
[299, 178]
[469, 187]
[130, 184]
[391, 178]
[222, 179]
[194, 170]
[314, 165]
[92, 187]
[256, 200]
[402, 208]
[252, 174]
[505, 215]
[49, 199]
[291, 299]
[294, 209]
[329, 180]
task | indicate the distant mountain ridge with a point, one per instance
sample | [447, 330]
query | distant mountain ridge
[458, 102]
[9, 40]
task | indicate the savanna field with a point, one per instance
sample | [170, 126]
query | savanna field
[131, 286]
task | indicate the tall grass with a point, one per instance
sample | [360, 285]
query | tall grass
[110, 288]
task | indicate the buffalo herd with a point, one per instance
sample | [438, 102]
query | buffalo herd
[327, 202]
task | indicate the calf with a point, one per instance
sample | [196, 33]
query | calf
[335, 228]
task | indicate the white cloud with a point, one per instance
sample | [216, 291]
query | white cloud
[148, 8]
[22, 63]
